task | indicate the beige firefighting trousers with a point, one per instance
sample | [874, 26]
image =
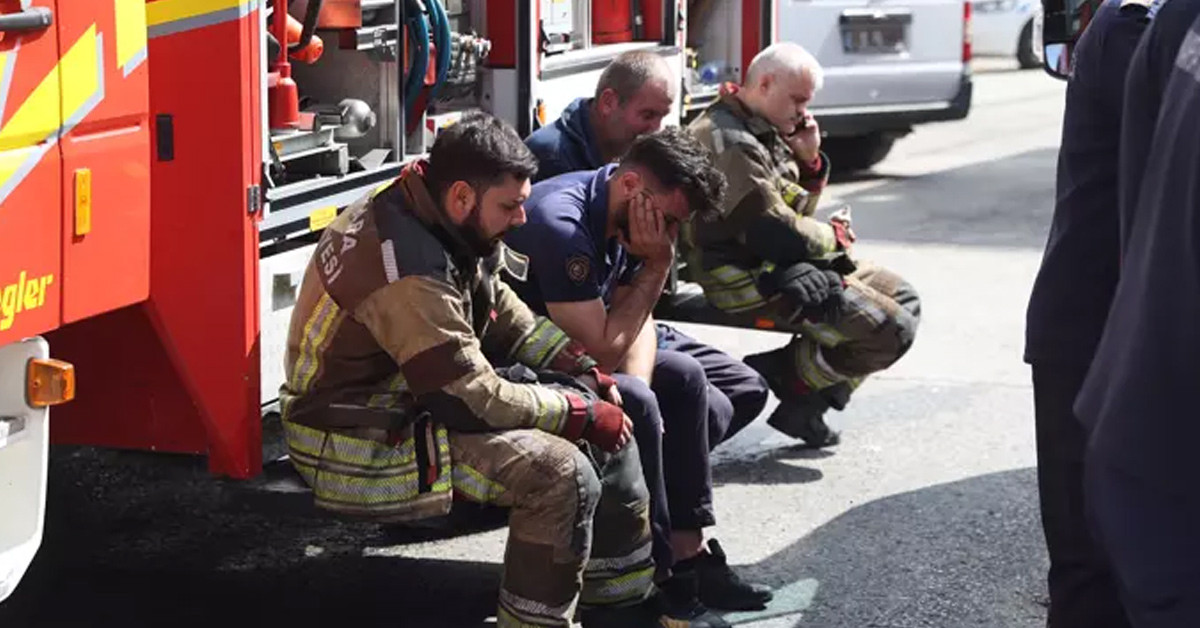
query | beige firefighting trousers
[579, 528]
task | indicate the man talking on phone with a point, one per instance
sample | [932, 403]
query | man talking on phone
[766, 256]
[600, 245]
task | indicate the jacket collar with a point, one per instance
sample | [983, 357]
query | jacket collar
[576, 122]
[756, 124]
[417, 197]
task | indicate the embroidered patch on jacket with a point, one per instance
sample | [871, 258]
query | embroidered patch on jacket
[578, 268]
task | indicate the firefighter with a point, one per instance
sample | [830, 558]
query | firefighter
[767, 257]
[392, 409]
[600, 244]
[635, 92]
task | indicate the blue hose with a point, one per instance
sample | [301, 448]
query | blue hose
[419, 31]
[441, 38]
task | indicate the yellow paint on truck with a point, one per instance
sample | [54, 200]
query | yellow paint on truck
[22, 296]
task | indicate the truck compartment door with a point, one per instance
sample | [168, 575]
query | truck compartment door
[30, 170]
[106, 156]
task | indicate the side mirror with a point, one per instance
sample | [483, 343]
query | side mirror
[1056, 59]
[1059, 25]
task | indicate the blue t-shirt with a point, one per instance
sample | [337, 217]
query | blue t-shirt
[571, 259]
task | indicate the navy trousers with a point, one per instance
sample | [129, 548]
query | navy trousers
[698, 398]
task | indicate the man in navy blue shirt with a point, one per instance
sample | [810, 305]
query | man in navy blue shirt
[1139, 398]
[1068, 307]
[600, 246]
[634, 94]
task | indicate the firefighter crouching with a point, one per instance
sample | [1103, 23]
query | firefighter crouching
[767, 257]
[392, 409]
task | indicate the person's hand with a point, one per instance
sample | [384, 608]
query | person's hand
[805, 141]
[603, 385]
[649, 238]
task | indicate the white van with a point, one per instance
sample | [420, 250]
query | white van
[889, 65]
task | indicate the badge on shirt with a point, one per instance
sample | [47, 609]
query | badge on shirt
[578, 268]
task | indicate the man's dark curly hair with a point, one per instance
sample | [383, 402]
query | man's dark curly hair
[480, 149]
[680, 162]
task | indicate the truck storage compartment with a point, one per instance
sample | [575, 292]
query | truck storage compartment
[718, 50]
[349, 105]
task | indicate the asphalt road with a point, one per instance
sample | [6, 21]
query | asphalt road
[925, 516]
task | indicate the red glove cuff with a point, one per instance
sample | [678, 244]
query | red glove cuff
[579, 418]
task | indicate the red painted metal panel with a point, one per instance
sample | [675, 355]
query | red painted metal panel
[502, 31]
[204, 279]
[652, 17]
[752, 36]
[130, 393]
[108, 141]
[30, 180]
[195, 342]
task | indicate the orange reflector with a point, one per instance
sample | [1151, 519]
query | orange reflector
[764, 323]
[50, 382]
[540, 112]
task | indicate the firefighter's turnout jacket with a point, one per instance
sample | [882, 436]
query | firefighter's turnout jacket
[386, 353]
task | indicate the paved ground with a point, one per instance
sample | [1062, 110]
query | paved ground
[925, 517]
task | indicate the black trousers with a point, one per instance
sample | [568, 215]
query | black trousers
[1152, 534]
[1083, 593]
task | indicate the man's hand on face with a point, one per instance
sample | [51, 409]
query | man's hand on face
[649, 237]
[806, 141]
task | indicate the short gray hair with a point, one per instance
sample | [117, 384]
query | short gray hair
[785, 56]
[630, 71]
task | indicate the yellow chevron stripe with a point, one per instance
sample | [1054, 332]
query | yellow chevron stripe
[131, 33]
[37, 118]
[81, 78]
[64, 96]
[165, 11]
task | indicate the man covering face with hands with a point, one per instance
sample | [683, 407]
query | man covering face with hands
[600, 246]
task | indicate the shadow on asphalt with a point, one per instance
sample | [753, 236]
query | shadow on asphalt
[777, 467]
[135, 547]
[966, 553]
[989, 208]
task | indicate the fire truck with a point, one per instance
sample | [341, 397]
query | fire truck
[166, 167]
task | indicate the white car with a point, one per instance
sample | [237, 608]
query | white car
[889, 65]
[1004, 28]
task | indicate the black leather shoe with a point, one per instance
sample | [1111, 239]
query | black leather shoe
[680, 606]
[721, 587]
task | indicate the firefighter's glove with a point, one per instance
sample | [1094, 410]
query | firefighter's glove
[806, 286]
[598, 422]
[603, 385]
[610, 429]
[843, 232]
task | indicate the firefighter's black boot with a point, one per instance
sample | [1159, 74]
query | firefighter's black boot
[801, 412]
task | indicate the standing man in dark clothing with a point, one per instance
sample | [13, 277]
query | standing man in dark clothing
[1068, 307]
[1147, 77]
[1139, 398]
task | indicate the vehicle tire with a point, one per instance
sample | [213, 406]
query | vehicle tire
[858, 152]
[1025, 53]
